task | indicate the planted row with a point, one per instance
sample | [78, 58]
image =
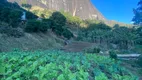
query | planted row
[57, 65]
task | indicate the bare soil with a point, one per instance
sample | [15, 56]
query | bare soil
[77, 46]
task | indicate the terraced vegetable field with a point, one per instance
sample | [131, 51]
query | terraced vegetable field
[57, 65]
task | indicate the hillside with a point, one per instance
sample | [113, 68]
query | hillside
[34, 41]
[58, 45]
[13, 35]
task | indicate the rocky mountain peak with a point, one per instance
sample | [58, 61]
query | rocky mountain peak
[82, 8]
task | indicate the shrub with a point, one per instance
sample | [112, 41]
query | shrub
[4, 12]
[58, 20]
[32, 26]
[102, 76]
[139, 41]
[113, 54]
[96, 50]
[36, 26]
[116, 26]
[44, 26]
[11, 16]
[48, 21]
[58, 31]
[139, 62]
[14, 18]
[15, 33]
[12, 12]
[58, 23]
[9, 31]
[139, 31]
[30, 15]
[63, 31]
[67, 34]
[100, 25]
[93, 50]
[72, 19]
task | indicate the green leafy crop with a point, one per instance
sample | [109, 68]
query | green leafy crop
[57, 65]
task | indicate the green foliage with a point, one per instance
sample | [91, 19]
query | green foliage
[96, 50]
[67, 34]
[100, 25]
[58, 20]
[90, 21]
[2, 68]
[28, 6]
[123, 33]
[139, 41]
[137, 19]
[30, 15]
[139, 38]
[42, 13]
[116, 26]
[12, 12]
[14, 17]
[139, 31]
[71, 19]
[93, 50]
[57, 65]
[10, 16]
[119, 77]
[94, 33]
[58, 25]
[37, 26]
[139, 62]
[101, 77]
[9, 31]
[138, 48]
[121, 36]
[113, 54]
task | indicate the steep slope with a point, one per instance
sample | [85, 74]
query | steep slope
[32, 41]
[81, 8]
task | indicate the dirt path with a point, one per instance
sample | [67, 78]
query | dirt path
[77, 46]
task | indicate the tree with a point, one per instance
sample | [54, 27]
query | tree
[58, 21]
[137, 19]
[139, 62]
[116, 26]
[37, 26]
